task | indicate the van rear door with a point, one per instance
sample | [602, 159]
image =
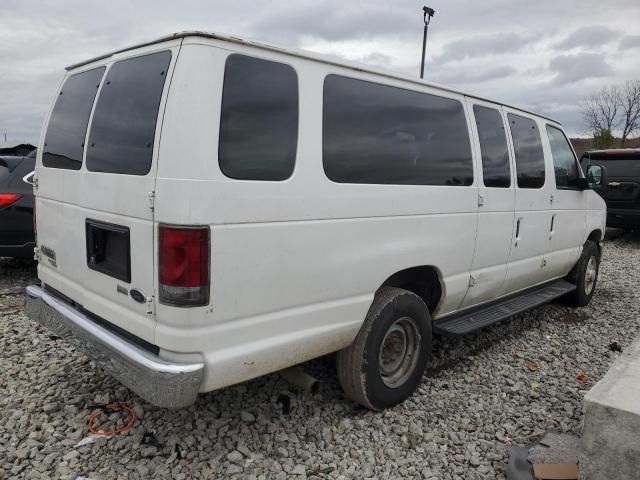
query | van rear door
[96, 181]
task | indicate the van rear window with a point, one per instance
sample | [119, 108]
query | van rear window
[124, 123]
[64, 141]
[379, 134]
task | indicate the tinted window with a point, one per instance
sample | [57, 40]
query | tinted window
[259, 119]
[618, 164]
[64, 141]
[528, 149]
[385, 135]
[564, 162]
[124, 123]
[493, 146]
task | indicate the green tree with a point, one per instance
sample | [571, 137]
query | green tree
[602, 139]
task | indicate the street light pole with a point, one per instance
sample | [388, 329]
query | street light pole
[428, 14]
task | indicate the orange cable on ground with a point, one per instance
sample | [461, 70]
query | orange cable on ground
[112, 406]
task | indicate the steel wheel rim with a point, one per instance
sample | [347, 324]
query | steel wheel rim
[399, 352]
[590, 275]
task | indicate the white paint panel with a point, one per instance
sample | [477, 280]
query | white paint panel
[294, 264]
[533, 206]
[67, 198]
[61, 227]
[495, 227]
[566, 238]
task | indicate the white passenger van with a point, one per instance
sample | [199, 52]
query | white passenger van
[211, 209]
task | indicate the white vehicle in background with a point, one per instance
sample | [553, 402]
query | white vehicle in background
[211, 209]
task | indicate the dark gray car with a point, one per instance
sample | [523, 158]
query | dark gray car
[17, 237]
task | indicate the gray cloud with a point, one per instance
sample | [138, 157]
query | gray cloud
[377, 58]
[468, 76]
[507, 54]
[484, 45]
[588, 36]
[629, 42]
[575, 68]
[334, 20]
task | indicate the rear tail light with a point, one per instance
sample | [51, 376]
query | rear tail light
[184, 266]
[7, 199]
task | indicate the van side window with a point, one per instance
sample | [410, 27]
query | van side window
[493, 146]
[259, 119]
[64, 141]
[378, 134]
[123, 127]
[529, 153]
[564, 161]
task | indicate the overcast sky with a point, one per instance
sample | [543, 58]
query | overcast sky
[545, 55]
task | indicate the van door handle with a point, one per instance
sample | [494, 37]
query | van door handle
[518, 231]
[552, 231]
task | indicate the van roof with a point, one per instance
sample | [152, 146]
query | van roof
[302, 54]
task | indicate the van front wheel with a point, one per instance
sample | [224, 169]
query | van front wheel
[584, 276]
[385, 363]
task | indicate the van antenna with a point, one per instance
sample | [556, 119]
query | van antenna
[428, 14]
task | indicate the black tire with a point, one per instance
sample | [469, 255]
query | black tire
[361, 368]
[581, 276]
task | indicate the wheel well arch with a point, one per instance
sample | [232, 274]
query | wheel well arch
[425, 281]
[595, 235]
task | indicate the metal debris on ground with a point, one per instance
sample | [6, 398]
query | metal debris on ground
[89, 439]
[615, 347]
[553, 457]
[285, 402]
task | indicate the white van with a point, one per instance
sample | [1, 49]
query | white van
[211, 209]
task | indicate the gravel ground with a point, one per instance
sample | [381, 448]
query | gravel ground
[506, 385]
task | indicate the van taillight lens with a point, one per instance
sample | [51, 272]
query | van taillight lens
[7, 199]
[184, 266]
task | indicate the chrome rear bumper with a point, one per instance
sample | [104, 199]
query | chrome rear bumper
[165, 384]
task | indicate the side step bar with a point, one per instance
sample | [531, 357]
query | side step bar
[475, 318]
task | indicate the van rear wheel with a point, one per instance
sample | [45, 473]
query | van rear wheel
[385, 363]
[584, 276]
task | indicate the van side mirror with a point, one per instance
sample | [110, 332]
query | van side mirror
[597, 177]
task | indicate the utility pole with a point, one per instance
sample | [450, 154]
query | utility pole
[428, 14]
